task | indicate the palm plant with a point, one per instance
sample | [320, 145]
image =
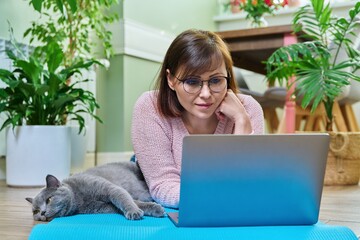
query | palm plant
[320, 74]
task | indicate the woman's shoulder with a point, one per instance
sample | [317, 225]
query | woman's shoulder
[146, 115]
[146, 106]
[148, 96]
[255, 111]
[147, 100]
[246, 98]
[250, 104]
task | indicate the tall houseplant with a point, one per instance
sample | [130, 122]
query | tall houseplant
[80, 28]
[321, 76]
[73, 24]
[43, 90]
[36, 101]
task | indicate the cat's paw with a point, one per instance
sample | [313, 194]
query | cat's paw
[134, 214]
[155, 210]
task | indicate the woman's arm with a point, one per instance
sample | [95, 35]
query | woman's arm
[244, 111]
[255, 113]
[151, 137]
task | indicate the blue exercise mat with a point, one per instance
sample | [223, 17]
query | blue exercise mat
[115, 226]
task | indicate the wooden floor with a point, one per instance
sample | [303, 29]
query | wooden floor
[339, 206]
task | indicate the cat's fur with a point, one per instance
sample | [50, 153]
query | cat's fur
[110, 188]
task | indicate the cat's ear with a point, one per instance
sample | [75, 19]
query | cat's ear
[30, 200]
[52, 182]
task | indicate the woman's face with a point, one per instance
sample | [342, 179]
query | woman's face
[200, 105]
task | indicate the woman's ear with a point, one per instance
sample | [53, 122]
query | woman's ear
[170, 80]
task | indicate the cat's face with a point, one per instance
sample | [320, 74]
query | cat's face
[53, 201]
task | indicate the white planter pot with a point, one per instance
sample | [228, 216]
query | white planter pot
[32, 152]
[78, 148]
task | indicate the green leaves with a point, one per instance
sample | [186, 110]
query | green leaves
[42, 88]
[354, 11]
[325, 63]
[30, 70]
[70, 23]
[54, 55]
[7, 77]
[73, 5]
[38, 94]
[37, 4]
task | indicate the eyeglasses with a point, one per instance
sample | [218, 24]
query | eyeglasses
[193, 85]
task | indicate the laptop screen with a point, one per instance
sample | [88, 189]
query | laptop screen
[246, 180]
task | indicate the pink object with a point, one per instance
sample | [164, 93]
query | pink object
[290, 100]
[157, 143]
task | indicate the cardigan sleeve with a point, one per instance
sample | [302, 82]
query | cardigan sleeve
[255, 111]
[151, 138]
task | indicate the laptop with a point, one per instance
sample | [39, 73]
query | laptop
[251, 180]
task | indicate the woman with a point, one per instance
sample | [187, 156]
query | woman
[196, 94]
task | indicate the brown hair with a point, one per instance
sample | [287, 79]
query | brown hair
[196, 52]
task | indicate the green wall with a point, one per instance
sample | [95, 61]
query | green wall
[173, 15]
[117, 90]
[109, 86]
[132, 75]
[139, 76]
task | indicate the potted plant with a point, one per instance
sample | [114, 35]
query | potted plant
[80, 27]
[37, 100]
[65, 38]
[255, 9]
[321, 75]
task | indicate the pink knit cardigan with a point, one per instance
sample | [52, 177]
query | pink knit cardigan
[157, 143]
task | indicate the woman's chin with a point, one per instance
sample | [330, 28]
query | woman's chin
[205, 115]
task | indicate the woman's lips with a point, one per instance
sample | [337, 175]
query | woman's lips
[204, 105]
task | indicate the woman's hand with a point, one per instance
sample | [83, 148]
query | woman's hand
[233, 108]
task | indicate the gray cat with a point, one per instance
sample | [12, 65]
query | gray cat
[110, 188]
